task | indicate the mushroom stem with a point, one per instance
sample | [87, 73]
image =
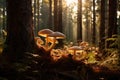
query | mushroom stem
[74, 51]
[52, 45]
[46, 44]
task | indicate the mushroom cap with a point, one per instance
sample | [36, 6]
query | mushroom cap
[57, 35]
[84, 43]
[39, 40]
[44, 32]
[75, 48]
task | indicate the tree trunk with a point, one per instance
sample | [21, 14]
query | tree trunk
[34, 15]
[60, 26]
[4, 16]
[50, 14]
[38, 16]
[79, 21]
[94, 24]
[20, 37]
[102, 27]
[112, 28]
[55, 15]
[112, 25]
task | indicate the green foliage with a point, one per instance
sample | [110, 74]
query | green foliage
[111, 61]
[112, 55]
[91, 57]
[112, 42]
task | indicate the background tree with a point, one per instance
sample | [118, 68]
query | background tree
[44, 14]
[60, 25]
[94, 24]
[34, 16]
[50, 15]
[20, 37]
[102, 27]
[87, 21]
[112, 27]
[79, 21]
[55, 15]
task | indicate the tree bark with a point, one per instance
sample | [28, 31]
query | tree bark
[50, 14]
[79, 21]
[34, 19]
[102, 27]
[94, 24]
[112, 27]
[60, 26]
[55, 15]
[20, 37]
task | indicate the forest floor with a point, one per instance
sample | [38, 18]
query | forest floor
[41, 67]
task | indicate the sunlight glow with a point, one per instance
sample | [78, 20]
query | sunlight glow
[83, 1]
[75, 8]
[118, 14]
[69, 2]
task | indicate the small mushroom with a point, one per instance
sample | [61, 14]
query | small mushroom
[74, 49]
[45, 33]
[55, 35]
[39, 41]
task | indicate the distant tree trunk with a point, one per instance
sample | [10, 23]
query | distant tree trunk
[102, 27]
[94, 24]
[55, 15]
[38, 16]
[112, 28]
[4, 16]
[50, 14]
[20, 38]
[60, 24]
[79, 21]
[34, 15]
[112, 21]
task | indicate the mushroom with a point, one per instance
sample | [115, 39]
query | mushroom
[54, 36]
[39, 41]
[45, 33]
[74, 49]
[56, 54]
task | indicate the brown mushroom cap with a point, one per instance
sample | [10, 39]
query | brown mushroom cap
[57, 35]
[75, 48]
[44, 32]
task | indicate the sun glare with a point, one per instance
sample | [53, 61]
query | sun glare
[69, 2]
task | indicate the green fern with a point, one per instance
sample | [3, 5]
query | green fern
[113, 41]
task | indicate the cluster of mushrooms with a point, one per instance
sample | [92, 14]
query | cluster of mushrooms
[51, 39]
